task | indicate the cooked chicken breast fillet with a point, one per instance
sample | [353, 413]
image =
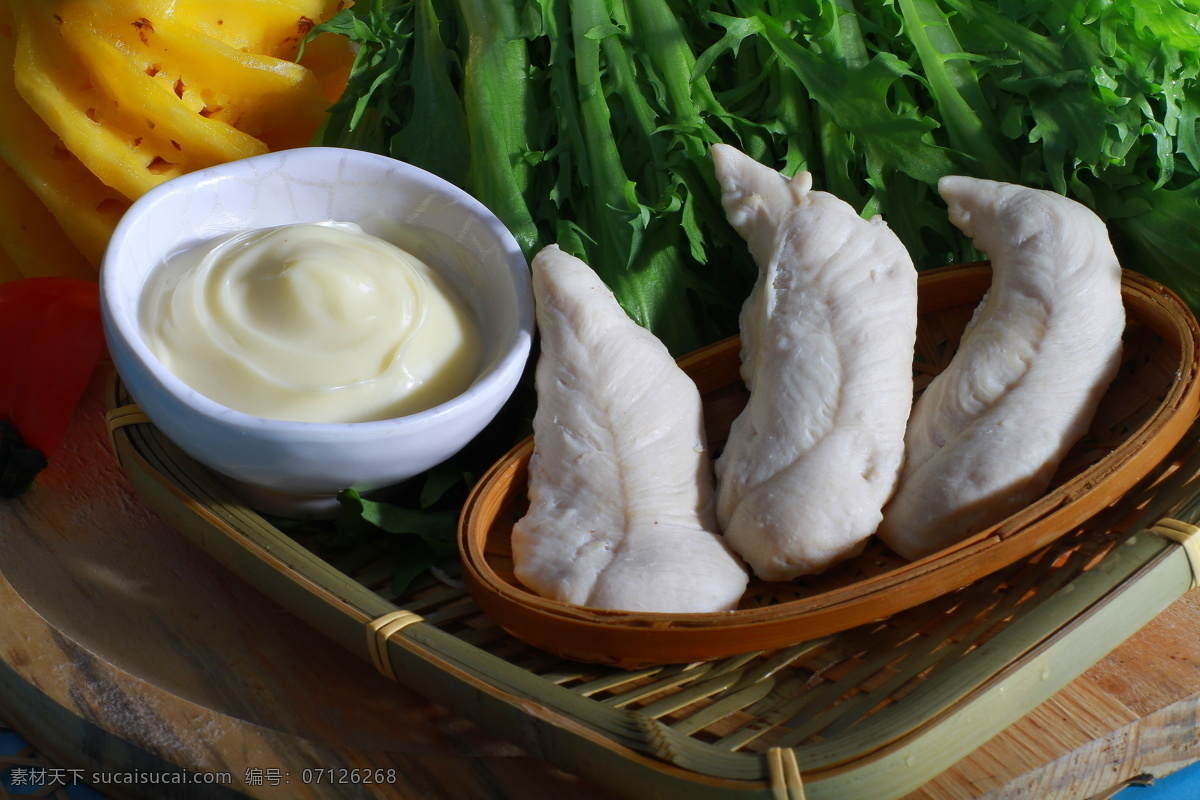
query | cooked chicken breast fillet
[988, 433]
[620, 482]
[827, 351]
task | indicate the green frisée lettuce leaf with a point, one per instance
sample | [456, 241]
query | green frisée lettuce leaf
[362, 116]
[435, 529]
[1159, 224]
[407, 537]
[1101, 102]
[420, 540]
[383, 544]
[588, 122]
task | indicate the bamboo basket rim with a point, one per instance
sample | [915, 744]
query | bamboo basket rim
[1060, 610]
[536, 619]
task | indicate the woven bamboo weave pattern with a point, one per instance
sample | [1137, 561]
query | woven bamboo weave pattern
[832, 701]
[828, 698]
[819, 697]
[815, 696]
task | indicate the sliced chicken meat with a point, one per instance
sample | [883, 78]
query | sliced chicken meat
[620, 482]
[988, 433]
[827, 351]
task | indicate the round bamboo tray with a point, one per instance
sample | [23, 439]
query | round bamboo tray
[1145, 413]
[874, 711]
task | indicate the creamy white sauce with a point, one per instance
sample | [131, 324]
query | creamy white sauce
[316, 322]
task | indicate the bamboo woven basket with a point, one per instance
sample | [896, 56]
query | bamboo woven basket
[1144, 414]
[869, 712]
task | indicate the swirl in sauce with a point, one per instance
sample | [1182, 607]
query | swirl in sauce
[314, 322]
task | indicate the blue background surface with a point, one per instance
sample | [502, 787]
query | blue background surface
[1181, 785]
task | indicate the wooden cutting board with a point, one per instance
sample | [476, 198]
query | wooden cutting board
[123, 647]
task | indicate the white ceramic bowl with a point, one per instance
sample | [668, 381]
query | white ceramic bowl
[296, 467]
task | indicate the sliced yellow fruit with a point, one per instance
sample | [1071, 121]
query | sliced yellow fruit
[278, 102]
[118, 145]
[31, 237]
[271, 27]
[109, 98]
[86, 209]
[141, 94]
[330, 57]
[134, 75]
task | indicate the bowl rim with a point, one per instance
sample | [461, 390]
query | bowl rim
[122, 324]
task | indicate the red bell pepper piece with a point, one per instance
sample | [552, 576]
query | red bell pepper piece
[50, 342]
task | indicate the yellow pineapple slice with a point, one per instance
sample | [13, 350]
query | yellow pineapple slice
[329, 57]
[173, 108]
[140, 96]
[118, 144]
[86, 209]
[121, 132]
[278, 102]
[109, 98]
[31, 237]
[271, 27]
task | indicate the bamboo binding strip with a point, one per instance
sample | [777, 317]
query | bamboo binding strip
[120, 417]
[1185, 534]
[786, 782]
[131, 414]
[380, 630]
